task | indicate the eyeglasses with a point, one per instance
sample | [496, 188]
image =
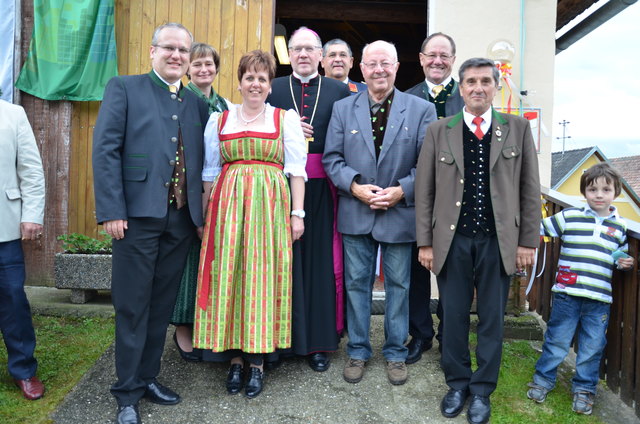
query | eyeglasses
[384, 65]
[307, 49]
[171, 49]
[443, 57]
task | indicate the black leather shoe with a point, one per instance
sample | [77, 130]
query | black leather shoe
[318, 361]
[235, 379]
[254, 385]
[416, 346]
[128, 414]
[193, 356]
[162, 395]
[479, 410]
[453, 402]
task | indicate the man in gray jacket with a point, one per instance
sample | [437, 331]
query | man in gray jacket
[371, 151]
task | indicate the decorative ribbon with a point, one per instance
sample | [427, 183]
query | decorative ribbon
[315, 169]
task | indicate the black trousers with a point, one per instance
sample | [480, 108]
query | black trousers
[147, 266]
[473, 264]
[420, 319]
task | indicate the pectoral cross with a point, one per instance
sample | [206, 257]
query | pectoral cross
[308, 140]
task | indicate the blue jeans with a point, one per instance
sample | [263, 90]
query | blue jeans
[15, 313]
[567, 311]
[359, 268]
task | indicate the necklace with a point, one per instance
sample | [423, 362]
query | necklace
[315, 106]
[248, 121]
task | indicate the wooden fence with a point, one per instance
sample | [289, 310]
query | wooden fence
[621, 362]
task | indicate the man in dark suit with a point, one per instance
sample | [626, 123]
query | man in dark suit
[437, 56]
[371, 152]
[147, 164]
[318, 316]
[477, 221]
[337, 61]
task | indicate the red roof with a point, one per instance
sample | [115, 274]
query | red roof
[629, 168]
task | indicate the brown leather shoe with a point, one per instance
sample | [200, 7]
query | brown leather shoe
[32, 388]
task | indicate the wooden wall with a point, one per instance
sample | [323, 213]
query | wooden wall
[64, 130]
[232, 27]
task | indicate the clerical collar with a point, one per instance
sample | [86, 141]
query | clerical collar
[306, 79]
[443, 83]
[175, 84]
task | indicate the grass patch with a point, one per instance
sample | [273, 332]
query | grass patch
[65, 348]
[510, 404]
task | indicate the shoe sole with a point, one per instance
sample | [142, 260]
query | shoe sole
[398, 382]
[157, 402]
[581, 412]
[352, 380]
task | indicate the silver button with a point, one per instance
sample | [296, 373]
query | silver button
[513, 153]
[461, 181]
[174, 117]
[174, 139]
[167, 184]
[453, 227]
[442, 159]
[173, 96]
[172, 162]
[458, 204]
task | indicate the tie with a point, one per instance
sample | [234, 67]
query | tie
[436, 90]
[478, 132]
[173, 88]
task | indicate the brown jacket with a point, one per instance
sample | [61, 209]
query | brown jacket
[514, 186]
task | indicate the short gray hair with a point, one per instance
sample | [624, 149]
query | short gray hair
[479, 62]
[334, 42]
[175, 25]
[389, 46]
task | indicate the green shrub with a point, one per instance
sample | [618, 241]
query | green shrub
[79, 243]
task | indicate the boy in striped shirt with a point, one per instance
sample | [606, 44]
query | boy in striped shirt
[594, 239]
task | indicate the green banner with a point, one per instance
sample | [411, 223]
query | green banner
[72, 53]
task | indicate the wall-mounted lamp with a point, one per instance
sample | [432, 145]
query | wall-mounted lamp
[280, 44]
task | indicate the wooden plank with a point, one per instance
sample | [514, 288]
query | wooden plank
[74, 180]
[214, 13]
[227, 24]
[268, 25]
[91, 226]
[628, 342]
[175, 10]
[162, 12]
[614, 338]
[188, 15]
[201, 23]
[122, 35]
[240, 35]
[147, 25]
[134, 42]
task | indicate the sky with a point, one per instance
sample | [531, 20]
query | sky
[597, 88]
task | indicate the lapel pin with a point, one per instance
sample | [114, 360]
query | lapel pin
[498, 132]
[354, 131]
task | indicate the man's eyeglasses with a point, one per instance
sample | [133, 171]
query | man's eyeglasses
[307, 49]
[171, 49]
[443, 57]
[384, 65]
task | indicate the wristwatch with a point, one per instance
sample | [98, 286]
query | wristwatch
[298, 212]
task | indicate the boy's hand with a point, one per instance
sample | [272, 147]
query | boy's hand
[625, 263]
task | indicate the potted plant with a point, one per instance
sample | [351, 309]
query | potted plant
[84, 266]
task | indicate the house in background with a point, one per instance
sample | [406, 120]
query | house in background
[568, 166]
